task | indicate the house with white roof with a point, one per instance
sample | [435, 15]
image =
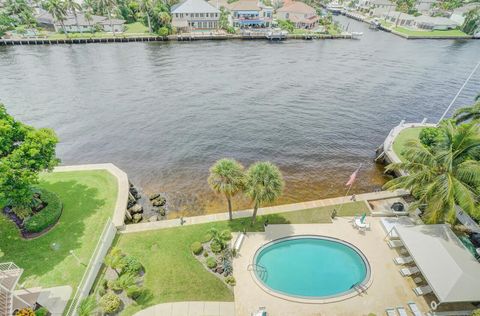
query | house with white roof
[434, 23]
[194, 15]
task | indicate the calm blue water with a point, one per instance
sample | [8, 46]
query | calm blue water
[311, 267]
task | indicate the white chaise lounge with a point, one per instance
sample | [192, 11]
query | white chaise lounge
[401, 311]
[402, 260]
[409, 271]
[391, 312]
[422, 290]
[238, 242]
[395, 243]
[414, 309]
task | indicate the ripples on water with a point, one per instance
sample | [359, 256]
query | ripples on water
[164, 112]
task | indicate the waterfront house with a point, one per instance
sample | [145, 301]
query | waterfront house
[85, 25]
[195, 15]
[220, 4]
[458, 15]
[367, 6]
[251, 14]
[399, 18]
[434, 23]
[424, 6]
[301, 14]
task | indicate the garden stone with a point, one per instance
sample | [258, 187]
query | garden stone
[137, 208]
[154, 196]
[159, 201]
[137, 218]
[153, 218]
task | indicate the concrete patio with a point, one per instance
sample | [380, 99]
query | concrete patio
[388, 287]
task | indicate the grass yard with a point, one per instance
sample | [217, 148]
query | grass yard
[135, 28]
[429, 33]
[88, 200]
[402, 139]
[173, 274]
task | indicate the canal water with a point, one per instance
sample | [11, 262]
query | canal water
[165, 112]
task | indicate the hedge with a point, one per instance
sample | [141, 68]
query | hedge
[46, 217]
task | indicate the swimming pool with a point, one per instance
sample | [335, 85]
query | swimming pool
[311, 267]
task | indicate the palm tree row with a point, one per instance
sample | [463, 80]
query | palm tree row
[447, 173]
[262, 182]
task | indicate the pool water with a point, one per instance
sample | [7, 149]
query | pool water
[310, 267]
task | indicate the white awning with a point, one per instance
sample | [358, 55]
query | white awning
[448, 267]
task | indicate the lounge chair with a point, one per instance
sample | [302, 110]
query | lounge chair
[409, 271]
[395, 243]
[262, 311]
[417, 280]
[401, 311]
[402, 260]
[414, 309]
[422, 290]
[391, 312]
[238, 242]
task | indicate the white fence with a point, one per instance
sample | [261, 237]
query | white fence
[94, 265]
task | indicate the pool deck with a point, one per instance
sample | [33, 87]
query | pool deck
[387, 289]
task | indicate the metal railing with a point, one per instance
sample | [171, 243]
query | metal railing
[93, 267]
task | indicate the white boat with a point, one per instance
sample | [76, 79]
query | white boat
[375, 23]
[356, 34]
[335, 8]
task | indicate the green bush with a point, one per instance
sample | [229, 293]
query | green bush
[113, 285]
[226, 235]
[196, 248]
[205, 254]
[230, 30]
[163, 31]
[42, 311]
[134, 292]
[207, 237]
[230, 280]
[110, 303]
[216, 247]
[131, 265]
[46, 217]
[102, 291]
[476, 312]
[125, 281]
[429, 136]
[211, 263]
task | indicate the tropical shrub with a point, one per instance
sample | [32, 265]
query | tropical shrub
[87, 306]
[46, 217]
[230, 280]
[476, 312]
[110, 303]
[429, 136]
[42, 311]
[113, 285]
[196, 248]
[134, 292]
[227, 267]
[114, 260]
[226, 235]
[211, 263]
[207, 237]
[286, 25]
[131, 265]
[25, 312]
[102, 291]
[23, 212]
[125, 281]
[205, 254]
[163, 31]
[216, 247]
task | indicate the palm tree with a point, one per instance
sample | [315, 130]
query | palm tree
[87, 306]
[468, 113]
[58, 11]
[89, 18]
[264, 184]
[442, 176]
[108, 6]
[145, 7]
[74, 7]
[227, 177]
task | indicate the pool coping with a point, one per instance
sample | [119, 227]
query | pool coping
[365, 284]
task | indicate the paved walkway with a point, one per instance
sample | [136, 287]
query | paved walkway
[133, 228]
[190, 309]
[123, 186]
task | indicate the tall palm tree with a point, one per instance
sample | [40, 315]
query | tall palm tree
[74, 7]
[442, 176]
[58, 11]
[264, 184]
[145, 7]
[468, 113]
[108, 6]
[227, 178]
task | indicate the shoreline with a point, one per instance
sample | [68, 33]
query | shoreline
[177, 38]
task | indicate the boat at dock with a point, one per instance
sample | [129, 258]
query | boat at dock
[277, 35]
[335, 8]
[375, 24]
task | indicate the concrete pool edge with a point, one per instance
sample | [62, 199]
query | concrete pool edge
[365, 284]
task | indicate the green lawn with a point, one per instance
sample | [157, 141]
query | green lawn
[88, 200]
[173, 274]
[136, 28]
[429, 33]
[402, 139]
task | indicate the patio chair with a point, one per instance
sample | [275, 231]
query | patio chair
[422, 290]
[395, 243]
[402, 260]
[401, 311]
[414, 309]
[391, 312]
[262, 311]
[409, 271]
